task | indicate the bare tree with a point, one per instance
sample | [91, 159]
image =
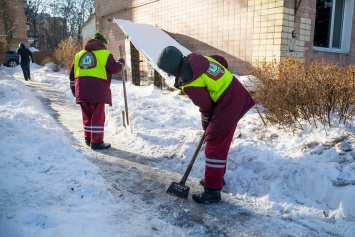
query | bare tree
[9, 25]
[76, 13]
[33, 12]
[55, 20]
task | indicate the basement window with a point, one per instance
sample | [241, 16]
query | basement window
[333, 25]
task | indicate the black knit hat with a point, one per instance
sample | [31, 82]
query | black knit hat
[98, 36]
[170, 59]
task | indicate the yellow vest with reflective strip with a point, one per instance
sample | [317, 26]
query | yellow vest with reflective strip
[91, 64]
[216, 79]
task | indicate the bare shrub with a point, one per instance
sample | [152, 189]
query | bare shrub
[62, 57]
[66, 52]
[44, 56]
[4, 46]
[294, 90]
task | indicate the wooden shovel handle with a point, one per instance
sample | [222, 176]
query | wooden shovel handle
[124, 90]
[192, 161]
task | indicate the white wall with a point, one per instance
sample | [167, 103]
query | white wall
[89, 28]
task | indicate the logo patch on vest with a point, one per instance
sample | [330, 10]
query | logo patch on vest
[215, 71]
[87, 61]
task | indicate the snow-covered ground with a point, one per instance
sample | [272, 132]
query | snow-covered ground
[48, 187]
[289, 175]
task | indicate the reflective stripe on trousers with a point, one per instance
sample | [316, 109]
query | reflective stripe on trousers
[216, 152]
[93, 121]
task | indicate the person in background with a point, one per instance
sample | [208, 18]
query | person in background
[25, 54]
[222, 102]
[90, 80]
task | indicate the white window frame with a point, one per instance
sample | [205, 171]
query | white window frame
[346, 31]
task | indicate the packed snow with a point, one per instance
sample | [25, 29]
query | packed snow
[48, 187]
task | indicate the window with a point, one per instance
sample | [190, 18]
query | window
[333, 25]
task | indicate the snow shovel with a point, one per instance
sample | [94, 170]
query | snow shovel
[180, 189]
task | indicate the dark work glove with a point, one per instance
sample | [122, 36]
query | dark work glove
[204, 125]
[122, 61]
[205, 122]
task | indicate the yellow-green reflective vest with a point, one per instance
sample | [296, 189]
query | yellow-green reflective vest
[91, 64]
[216, 79]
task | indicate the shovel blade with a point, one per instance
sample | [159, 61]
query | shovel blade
[178, 190]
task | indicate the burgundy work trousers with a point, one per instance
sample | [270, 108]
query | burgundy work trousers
[216, 152]
[93, 121]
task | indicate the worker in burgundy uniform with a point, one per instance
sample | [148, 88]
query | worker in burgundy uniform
[90, 80]
[222, 101]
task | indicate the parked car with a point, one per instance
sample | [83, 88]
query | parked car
[11, 59]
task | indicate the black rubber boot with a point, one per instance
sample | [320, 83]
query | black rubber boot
[87, 142]
[202, 182]
[208, 196]
[100, 146]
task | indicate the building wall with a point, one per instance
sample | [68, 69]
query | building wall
[303, 23]
[243, 31]
[16, 10]
[89, 28]
[268, 28]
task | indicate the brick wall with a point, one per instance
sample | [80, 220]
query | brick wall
[268, 25]
[206, 27]
[243, 31]
[16, 10]
[304, 22]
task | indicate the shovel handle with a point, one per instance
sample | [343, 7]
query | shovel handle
[192, 161]
[124, 90]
